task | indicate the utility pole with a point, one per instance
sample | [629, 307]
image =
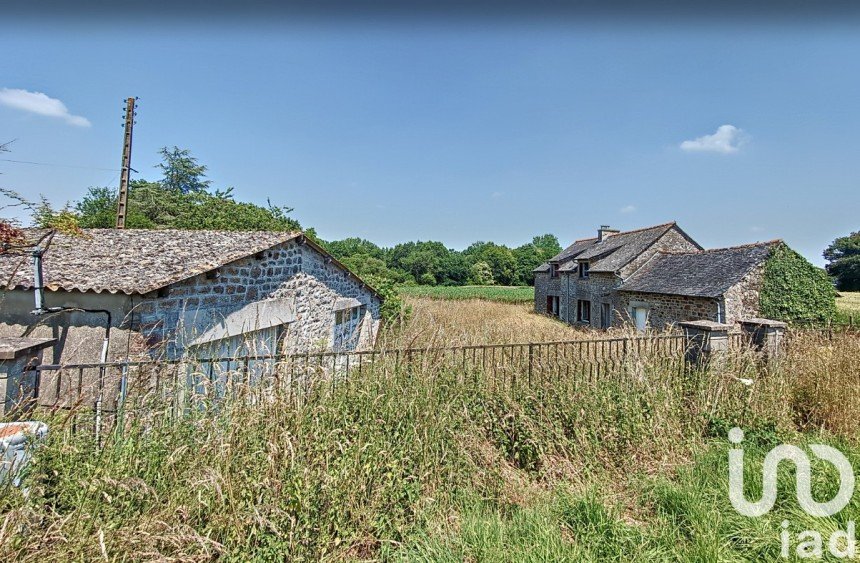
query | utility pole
[122, 200]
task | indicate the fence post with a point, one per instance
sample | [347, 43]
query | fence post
[765, 335]
[704, 340]
[531, 362]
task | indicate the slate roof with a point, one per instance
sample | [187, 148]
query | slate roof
[578, 247]
[707, 273]
[613, 252]
[616, 251]
[135, 260]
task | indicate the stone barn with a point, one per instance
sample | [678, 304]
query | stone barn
[168, 293]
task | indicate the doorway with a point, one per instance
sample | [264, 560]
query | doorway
[640, 318]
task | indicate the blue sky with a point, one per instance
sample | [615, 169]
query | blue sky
[460, 131]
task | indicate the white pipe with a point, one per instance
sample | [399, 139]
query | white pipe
[100, 397]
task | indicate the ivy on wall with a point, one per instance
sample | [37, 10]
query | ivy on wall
[795, 290]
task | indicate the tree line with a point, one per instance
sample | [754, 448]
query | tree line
[184, 199]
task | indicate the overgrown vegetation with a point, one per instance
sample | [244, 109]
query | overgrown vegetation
[795, 290]
[424, 461]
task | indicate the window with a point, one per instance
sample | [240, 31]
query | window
[553, 270]
[211, 365]
[552, 305]
[583, 269]
[346, 324]
[583, 311]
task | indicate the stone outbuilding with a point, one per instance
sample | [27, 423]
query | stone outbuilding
[653, 277]
[173, 292]
[721, 285]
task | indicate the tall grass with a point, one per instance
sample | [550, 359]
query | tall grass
[426, 462]
[437, 322]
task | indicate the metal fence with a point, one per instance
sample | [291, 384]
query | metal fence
[97, 393]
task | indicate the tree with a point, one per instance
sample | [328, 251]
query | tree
[365, 265]
[419, 258]
[547, 245]
[501, 261]
[342, 249]
[530, 256]
[152, 206]
[843, 257]
[481, 274]
[181, 172]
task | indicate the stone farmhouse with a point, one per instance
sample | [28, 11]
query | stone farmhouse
[650, 278]
[168, 293]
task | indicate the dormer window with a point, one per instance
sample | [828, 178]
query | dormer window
[553, 270]
[583, 269]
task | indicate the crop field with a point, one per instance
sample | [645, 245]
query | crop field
[849, 302]
[427, 463]
[506, 294]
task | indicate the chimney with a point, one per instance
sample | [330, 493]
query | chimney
[605, 232]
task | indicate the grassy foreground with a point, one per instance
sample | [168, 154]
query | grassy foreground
[430, 463]
[505, 294]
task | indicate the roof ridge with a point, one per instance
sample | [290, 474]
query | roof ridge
[170, 230]
[639, 230]
[736, 247]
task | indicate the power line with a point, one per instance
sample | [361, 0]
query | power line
[59, 165]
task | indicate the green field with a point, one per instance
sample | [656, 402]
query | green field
[504, 293]
[849, 302]
[848, 307]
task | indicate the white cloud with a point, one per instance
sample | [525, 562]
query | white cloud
[41, 104]
[628, 209]
[496, 195]
[727, 139]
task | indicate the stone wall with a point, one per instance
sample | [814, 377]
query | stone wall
[667, 310]
[546, 286]
[292, 271]
[597, 288]
[743, 300]
[671, 241]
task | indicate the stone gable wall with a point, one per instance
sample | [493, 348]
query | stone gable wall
[291, 270]
[743, 300]
[671, 241]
